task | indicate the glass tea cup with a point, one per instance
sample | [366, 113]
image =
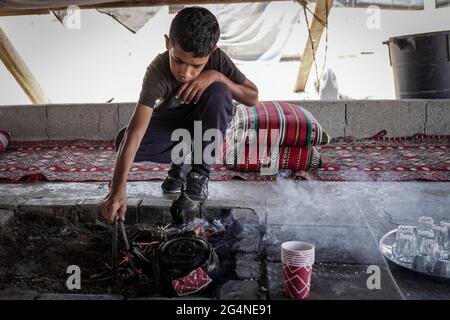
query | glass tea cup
[430, 249]
[405, 248]
[423, 234]
[404, 229]
[446, 223]
[425, 223]
[441, 234]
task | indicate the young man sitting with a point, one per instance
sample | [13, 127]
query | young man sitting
[193, 80]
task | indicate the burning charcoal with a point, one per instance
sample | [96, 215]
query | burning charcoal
[146, 233]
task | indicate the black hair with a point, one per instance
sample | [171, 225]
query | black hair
[196, 30]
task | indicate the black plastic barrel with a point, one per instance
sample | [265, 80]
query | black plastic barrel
[421, 65]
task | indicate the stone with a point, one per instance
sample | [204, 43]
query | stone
[8, 202]
[132, 214]
[73, 296]
[247, 266]
[88, 211]
[18, 295]
[151, 213]
[249, 240]
[60, 208]
[245, 216]
[240, 290]
[5, 216]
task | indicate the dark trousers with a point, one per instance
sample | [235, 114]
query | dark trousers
[215, 109]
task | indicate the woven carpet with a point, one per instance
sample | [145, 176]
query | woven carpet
[345, 159]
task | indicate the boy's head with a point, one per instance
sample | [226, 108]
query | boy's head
[196, 30]
[193, 36]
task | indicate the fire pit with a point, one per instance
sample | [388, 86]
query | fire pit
[185, 265]
[36, 249]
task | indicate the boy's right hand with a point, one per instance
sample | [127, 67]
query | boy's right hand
[113, 206]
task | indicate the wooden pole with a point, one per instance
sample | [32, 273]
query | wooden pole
[321, 12]
[19, 70]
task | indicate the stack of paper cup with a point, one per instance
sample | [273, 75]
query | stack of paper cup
[297, 258]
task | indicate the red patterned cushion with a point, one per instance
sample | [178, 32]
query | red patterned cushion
[4, 140]
[291, 158]
[297, 126]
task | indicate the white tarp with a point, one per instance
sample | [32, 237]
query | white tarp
[33, 4]
[255, 31]
[131, 18]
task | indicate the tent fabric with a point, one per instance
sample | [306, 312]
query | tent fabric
[32, 4]
[255, 31]
[131, 18]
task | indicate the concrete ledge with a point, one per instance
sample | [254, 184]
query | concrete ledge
[18, 295]
[81, 121]
[331, 115]
[24, 122]
[63, 209]
[398, 118]
[438, 117]
[358, 118]
[5, 216]
[74, 296]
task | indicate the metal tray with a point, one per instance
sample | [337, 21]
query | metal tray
[385, 246]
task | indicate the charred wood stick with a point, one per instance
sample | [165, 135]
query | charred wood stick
[115, 260]
[127, 246]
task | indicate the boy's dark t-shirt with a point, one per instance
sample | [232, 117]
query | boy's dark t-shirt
[160, 84]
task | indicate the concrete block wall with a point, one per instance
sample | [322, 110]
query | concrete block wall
[357, 118]
[399, 119]
[67, 122]
[24, 122]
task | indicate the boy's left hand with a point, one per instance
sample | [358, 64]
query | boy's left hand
[193, 90]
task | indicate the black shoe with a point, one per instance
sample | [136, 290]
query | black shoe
[174, 180]
[197, 186]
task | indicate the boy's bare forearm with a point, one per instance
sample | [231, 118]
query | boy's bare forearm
[129, 146]
[246, 93]
[124, 161]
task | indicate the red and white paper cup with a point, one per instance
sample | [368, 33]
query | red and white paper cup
[297, 258]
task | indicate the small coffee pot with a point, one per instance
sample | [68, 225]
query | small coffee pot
[181, 207]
